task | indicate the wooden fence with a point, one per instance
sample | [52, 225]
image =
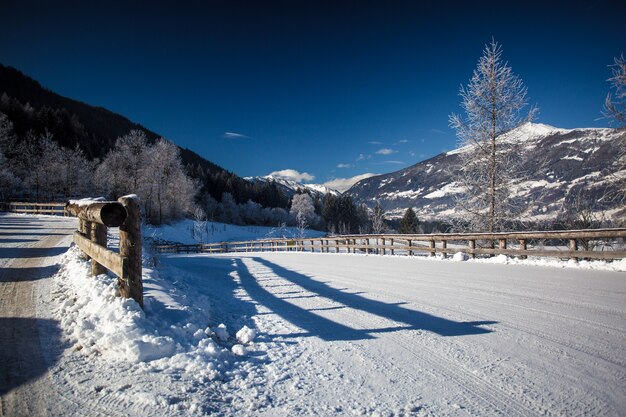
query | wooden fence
[572, 244]
[91, 238]
[56, 209]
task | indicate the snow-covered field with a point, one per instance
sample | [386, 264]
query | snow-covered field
[282, 334]
[191, 232]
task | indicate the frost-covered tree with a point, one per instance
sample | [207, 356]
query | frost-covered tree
[7, 136]
[378, 219]
[229, 210]
[169, 192]
[77, 172]
[493, 102]
[155, 173]
[409, 223]
[303, 211]
[123, 170]
[615, 105]
[9, 183]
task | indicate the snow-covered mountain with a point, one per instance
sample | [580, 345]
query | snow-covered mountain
[291, 187]
[560, 164]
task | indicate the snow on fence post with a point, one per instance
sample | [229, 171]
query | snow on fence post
[131, 285]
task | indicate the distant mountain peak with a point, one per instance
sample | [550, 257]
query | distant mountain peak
[291, 187]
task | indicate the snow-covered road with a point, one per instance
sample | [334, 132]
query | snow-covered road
[29, 251]
[335, 334]
[393, 335]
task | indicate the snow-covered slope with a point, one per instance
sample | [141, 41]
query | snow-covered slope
[559, 164]
[290, 187]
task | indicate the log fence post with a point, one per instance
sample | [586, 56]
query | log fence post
[432, 248]
[573, 246]
[522, 246]
[444, 246]
[131, 285]
[98, 235]
[471, 245]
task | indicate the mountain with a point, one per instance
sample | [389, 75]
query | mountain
[559, 164]
[291, 187]
[29, 105]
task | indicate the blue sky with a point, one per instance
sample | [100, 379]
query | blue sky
[331, 89]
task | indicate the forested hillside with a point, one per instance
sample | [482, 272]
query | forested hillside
[54, 148]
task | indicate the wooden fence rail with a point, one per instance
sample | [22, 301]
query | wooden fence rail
[56, 209]
[91, 237]
[522, 244]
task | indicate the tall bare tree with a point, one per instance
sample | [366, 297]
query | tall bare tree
[615, 105]
[493, 102]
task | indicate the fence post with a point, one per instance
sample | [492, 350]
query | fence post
[432, 248]
[573, 246]
[471, 245]
[410, 250]
[85, 229]
[444, 246]
[391, 241]
[502, 244]
[131, 285]
[522, 246]
[98, 235]
[383, 247]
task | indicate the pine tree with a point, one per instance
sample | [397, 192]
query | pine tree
[493, 103]
[409, 222]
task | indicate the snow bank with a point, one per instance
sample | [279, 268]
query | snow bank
[100, 323]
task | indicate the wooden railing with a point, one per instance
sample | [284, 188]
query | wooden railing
[57, 209]
[560, 244]
[91, 237]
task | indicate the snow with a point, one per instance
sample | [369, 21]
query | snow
[181, 232]
[452, 188]
[301, 334]
[87, 201]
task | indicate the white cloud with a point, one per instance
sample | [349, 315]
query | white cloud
[375, 142]
[343, 184]
[390, 162]
[362, 157]
[345, 165]
[235, 135]
[438, 131]
[292, 174]
[403, 141]
[385, 151]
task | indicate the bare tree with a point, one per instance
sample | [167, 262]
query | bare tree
[615, 105]
[378, 219]
[493, 103]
